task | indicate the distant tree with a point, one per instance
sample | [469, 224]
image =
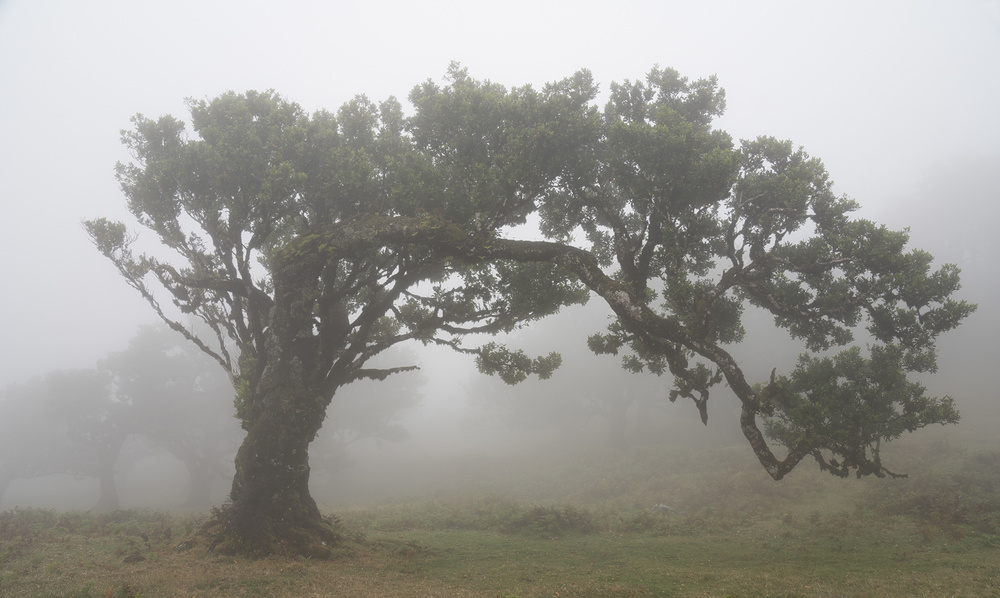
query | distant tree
[32, 444]
[97, 423]
[315, 243]
[368, 410]
[77, 421]
[585, 388]
[178, 399]
[530, 407]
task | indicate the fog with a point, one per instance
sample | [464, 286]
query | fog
[897, 98]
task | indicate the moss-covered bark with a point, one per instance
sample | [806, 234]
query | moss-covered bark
[282, 406]
[270, 509]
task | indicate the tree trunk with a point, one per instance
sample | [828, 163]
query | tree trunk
[201, 475]
[108, 500]
[107, 459]
[270, 509]
[282, 406]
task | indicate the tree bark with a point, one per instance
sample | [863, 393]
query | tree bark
[270, 509]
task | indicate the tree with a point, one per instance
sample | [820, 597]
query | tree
[263, 173]
[97, 423]
[77, 421]
[585, 388]
[178, 399]
[32, 444]
[315, 243]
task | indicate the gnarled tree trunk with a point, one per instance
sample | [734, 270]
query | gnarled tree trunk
[270, 509]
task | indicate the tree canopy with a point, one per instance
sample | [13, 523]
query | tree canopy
[310, 244]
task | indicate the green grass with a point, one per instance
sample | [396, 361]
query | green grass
[571, 528]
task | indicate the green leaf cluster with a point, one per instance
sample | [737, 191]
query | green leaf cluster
[855, 404]
[515, 366]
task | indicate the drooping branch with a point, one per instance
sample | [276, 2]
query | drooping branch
[635, 316]
[115, 243]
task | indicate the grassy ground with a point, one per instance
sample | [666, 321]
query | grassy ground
[580, 528]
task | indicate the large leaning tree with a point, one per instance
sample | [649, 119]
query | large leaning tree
[242, 210]
[310, 244]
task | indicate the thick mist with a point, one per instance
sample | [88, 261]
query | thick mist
[896, 98]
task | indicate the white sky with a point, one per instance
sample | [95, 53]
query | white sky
[883, 92]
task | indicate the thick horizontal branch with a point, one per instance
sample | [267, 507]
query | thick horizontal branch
[354, 237]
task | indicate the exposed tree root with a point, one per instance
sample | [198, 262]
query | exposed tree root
[245, 532]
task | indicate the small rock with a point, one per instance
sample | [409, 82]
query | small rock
[185, 546]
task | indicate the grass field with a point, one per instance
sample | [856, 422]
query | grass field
[571, 527]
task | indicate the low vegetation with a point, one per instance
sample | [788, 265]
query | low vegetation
[582, 527]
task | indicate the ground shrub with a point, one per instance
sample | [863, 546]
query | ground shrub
[552, 520]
